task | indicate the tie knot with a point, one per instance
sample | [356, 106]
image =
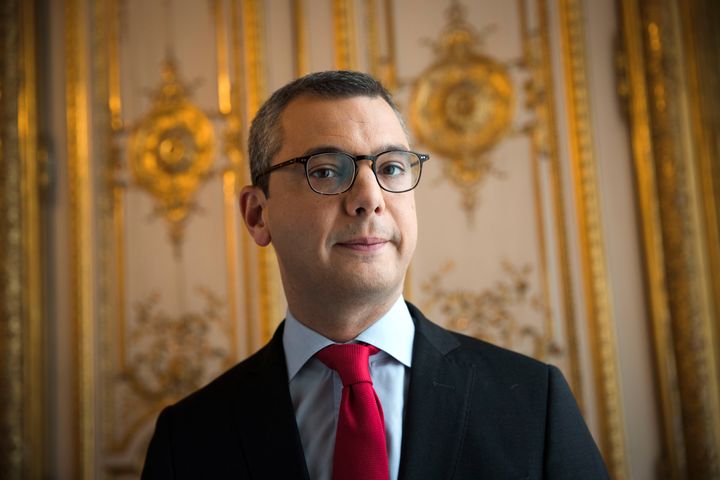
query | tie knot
[349, 360]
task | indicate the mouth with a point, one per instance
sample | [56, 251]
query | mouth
[364, 244]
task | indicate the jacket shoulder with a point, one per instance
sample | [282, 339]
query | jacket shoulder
[246, 375]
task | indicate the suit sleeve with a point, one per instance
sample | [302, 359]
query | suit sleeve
[158, 461]
[570, 451]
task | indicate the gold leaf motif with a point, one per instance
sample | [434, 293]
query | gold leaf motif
[489, 314]
[461, 106]
[171, 151]
[173, 355]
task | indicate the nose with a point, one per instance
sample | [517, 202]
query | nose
[365, 196]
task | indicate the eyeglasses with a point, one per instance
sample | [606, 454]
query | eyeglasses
[332, 173]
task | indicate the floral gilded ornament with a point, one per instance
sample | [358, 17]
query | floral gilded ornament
[461, 106]
[492, 314]
[171, 151]
[174, 355]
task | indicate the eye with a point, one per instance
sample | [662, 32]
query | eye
[324, 171]
[326, 167]
[392, 169]
[394, 164]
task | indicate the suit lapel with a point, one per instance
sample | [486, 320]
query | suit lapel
[437, 404]
[265, 417]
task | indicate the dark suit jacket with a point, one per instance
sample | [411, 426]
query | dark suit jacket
[473, 411]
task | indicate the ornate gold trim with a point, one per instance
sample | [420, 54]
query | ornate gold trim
[229, 202]
[542, 244]
[558, 202]
[373, 39]
[171, 151]
[223, 73]
[685, 262]
[703, 71]
[389, 78]
[675, 262]
[299, 37]
[80, 231]
[21, 332]
[595, 278]
[252, 15]
[255, 91]
[344, 34]
[11, 288]
[114, 100]
[462, 105]
[32, 289]
[381, 64]
[119, 231]
[234, 148]
[535, 159]
[641, 143]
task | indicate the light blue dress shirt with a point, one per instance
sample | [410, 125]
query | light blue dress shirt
[316, 390]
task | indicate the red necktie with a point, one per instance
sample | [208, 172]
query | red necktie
[360, 451]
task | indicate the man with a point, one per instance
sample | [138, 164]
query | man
[333, 176]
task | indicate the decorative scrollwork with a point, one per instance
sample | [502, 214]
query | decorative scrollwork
[171, 151]
[461, 106]
[488, 314]
[173, 355]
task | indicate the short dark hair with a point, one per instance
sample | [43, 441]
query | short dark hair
[265, 139]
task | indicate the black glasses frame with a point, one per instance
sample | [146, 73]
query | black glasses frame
[423, 157]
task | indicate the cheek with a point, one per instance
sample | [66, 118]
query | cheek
[407, 222]
[300, 226]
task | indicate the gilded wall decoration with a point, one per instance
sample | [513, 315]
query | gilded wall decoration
[23, 321]
[491, 313]
[168, 356]
[667, 151]
[171, 355]
[171, 151]
[462, 106]
[475, 103]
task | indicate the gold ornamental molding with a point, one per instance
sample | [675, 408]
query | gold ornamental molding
[299, 32]
[171, 151]
[544, 149]
[595, 276]
[21, 312]
[701, 44]
[235, 176]
[121, 381]
[382, 63]
[676, 250]
[344, 34]
[254, 55]
[224, 88]
[81, 245]
[462, 106]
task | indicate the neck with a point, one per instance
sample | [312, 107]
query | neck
[341, 322]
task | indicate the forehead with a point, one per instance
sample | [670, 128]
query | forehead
[358, 125]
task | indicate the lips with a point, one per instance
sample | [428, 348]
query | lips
[364, 244]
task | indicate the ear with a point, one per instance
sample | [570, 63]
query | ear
[252, 207]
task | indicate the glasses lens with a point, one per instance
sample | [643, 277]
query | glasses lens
[330, 172]
[398, 171]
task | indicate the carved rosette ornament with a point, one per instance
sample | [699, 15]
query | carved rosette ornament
[461, 106]
[171, 151]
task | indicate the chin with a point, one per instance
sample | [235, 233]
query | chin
[369, 285]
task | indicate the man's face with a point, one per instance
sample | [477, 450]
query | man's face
[358, 243]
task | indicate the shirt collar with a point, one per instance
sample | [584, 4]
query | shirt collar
[392, 333]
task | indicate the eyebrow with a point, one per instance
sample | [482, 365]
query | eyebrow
[334, 149]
